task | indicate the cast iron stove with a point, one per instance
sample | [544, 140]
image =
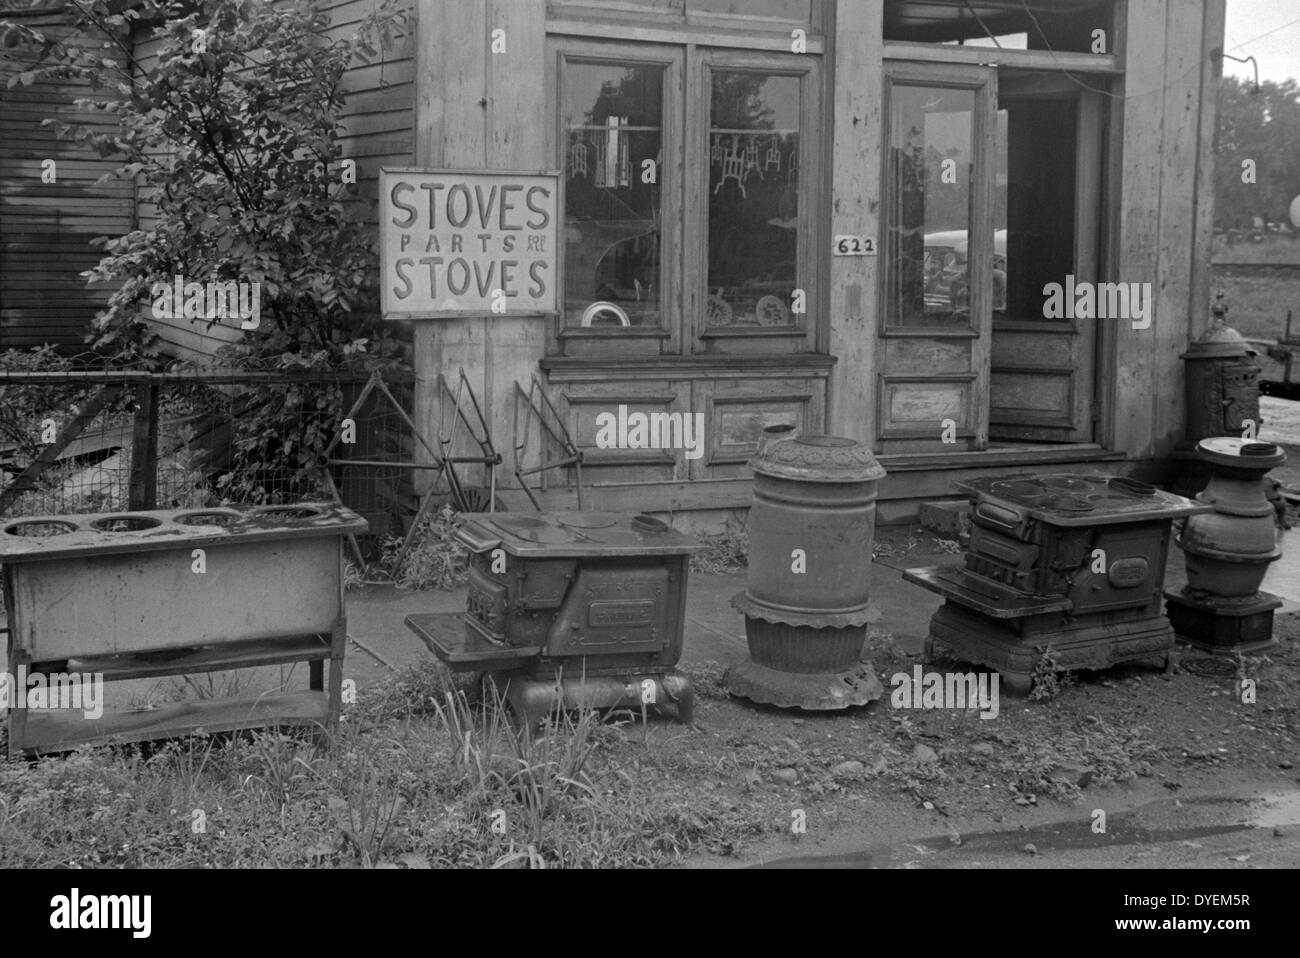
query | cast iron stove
[570, 608]
[1071, 562]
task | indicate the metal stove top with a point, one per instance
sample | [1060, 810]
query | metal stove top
[1080, 500]
[568, 534]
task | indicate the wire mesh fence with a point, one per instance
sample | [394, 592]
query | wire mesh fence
[80, 439]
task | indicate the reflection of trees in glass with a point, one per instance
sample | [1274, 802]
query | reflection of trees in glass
[613, 241]
[753, 236]
[923, 204]
[738, 102]
[907, 232]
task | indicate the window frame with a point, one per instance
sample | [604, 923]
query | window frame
[808, 268]
[629, 10]
[670, 253]
[983, 84]
[684, 185]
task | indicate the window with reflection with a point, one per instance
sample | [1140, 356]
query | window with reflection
[753, 230]
[930, 171]
[613, 128]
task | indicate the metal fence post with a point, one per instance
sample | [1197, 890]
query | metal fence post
[144, 448]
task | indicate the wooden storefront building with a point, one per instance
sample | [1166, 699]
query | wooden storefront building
[852, 212]
[982, 150]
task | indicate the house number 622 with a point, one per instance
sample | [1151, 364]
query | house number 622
[854, 246]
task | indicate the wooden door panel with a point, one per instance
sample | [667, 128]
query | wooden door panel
[737, 410]
[1032, 398]
[937, 254]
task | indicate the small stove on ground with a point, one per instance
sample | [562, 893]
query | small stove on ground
[1222, 609]
[572, 609]
[1071, 562]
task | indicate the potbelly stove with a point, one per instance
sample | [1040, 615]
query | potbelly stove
[570, 609]
[1071, 562]
[1228, 551]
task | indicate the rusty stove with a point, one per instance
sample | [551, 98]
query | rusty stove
[1071, 562]
[570, 608]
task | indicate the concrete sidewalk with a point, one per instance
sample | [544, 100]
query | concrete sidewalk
[714, 631]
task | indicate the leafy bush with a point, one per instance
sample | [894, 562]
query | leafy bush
[434, 561]
[240, 153]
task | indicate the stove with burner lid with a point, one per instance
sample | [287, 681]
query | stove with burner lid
[1071, 562]
[572, 608]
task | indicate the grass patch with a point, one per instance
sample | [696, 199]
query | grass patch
[418, 776]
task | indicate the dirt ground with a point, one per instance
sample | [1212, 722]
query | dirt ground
[1109, 740]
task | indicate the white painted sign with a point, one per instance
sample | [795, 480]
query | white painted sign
[467, 243]
[853, 246]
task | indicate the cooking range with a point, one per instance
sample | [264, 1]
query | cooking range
[1074, 563]
[572, 608]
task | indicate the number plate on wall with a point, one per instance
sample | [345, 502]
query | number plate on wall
[853, 246]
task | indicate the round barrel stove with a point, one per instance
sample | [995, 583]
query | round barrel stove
[811, 527]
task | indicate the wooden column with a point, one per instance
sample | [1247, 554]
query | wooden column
[480, 110]
[1140, 229]
[1166, 211]
[857, 82]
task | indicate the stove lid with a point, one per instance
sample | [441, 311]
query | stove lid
[573, 534]
[1080, 500]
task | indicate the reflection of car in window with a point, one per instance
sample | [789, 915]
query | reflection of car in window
[947, 283]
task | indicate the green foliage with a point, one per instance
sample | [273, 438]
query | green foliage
[722, 554]
[1048, 678]
[23, 406]
[434, 561]
[1263, 127]
[233, 133]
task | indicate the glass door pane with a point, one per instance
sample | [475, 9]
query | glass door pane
[931, 170]
[613, 196]
[753, 232]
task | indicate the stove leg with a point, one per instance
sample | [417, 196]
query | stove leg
[927, 651]
[1171, 661]
[686, 707]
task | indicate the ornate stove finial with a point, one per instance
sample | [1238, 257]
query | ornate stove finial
[1219, 310]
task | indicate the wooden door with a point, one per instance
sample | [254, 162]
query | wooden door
[937, 258]
[1047, 209]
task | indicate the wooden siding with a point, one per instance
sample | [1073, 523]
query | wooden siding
[377, 129]
[46, 228]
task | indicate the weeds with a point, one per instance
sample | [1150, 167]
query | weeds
[723, 554]
[434, 561]
[1048, 678]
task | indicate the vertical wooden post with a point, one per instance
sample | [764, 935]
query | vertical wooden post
[476, 109]
[857, 82]
[144, 448]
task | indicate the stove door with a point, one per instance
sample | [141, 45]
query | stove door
[615, 608]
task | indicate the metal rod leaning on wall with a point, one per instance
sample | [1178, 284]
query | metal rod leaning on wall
[489, 458]
[558, 432]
